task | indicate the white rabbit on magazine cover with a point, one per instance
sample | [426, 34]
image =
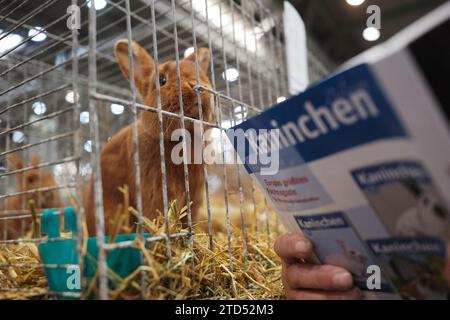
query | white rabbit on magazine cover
[426, 218]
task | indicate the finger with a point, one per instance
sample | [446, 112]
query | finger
[354, 294]
[293, 245]
[323, 277]
[447, 267]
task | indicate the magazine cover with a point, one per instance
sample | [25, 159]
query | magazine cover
[353, 168]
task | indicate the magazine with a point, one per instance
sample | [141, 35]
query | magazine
[361, 164]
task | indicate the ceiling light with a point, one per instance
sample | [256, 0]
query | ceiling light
[88, 146]
[39, 108]
[226, 124]
[240, 112]
[70, 96]
[84, 117]
[18, 136]
[218, 17]
[9, 42]
[189, 51]
[281, 99]
[355, 2]
[99, 4]
[371, 34]
[231, 74]
[37, 34]
[58, 170]
[117, 109]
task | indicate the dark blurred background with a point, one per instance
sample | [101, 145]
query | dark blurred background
[337, 27]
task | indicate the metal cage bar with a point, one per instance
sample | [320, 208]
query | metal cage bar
[74, 78]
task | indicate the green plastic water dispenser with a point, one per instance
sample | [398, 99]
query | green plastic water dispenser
[61, 257]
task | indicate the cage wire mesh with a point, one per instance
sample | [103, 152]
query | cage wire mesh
[63, 98]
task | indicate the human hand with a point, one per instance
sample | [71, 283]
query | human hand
[305, 281]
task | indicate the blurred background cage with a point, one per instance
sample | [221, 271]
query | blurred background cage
[62, 96]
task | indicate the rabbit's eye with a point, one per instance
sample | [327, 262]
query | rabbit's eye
[162, 80]
[31, 179]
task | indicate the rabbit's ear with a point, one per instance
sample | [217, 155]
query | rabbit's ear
[143, 64]
[35, 160]
[15, 162]
[203, 57]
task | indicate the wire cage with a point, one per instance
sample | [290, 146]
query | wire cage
[64, 100]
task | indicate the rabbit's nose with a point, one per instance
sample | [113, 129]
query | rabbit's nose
[193, 84]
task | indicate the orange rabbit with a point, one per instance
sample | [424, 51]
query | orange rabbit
[35, 178]
[117, 164]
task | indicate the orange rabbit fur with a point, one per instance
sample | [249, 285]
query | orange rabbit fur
[117, 162]
[35, 178]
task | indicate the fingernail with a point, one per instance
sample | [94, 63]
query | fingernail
[302, 246]
[342, 279]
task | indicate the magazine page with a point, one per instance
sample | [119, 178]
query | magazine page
[346, 173]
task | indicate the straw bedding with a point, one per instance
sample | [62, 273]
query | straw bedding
[23, 275]
[196, 270]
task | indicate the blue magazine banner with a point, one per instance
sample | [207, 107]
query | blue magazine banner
[385, 173]
[340, 113]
